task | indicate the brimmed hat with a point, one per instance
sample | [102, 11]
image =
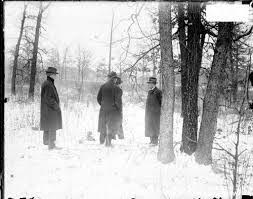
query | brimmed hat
[51, 70]
[152, 80]
[112, 74]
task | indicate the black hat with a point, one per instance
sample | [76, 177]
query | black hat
[152, 80]
[112, 74]
[51, 70]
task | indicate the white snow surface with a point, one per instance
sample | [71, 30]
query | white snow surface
[88, 170]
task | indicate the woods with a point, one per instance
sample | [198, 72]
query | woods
[202, 68]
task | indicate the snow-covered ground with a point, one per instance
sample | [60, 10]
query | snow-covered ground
[86, 170]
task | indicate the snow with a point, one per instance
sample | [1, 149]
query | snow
[88, 170]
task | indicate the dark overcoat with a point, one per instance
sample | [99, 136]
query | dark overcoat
[50, 111]
[110, 108]
[153, 112]
[118, 102]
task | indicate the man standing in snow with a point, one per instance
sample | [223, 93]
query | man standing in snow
[153, 111]
[118, 100]
[109, 120]
[50, 111]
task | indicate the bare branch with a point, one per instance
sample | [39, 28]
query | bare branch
[223, 149]
[246, 33]
[143, 55]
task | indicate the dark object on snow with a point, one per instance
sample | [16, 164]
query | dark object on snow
[35, 128]
[50, 112]
[109, 122]
[152, 114]
[89, 136]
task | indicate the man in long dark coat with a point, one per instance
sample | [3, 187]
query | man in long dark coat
[153, 111]
[118, 100]
[50, 111]
[109, 119]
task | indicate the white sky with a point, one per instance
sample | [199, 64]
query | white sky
[78, 23]
[88, 24]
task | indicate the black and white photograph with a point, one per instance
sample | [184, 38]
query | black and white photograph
[128, 100]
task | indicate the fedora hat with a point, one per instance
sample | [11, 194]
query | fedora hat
[152, 80]
[51, 70]
[112, 74]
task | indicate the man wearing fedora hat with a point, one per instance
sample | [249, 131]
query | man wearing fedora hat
[50, 111]
[109, 120]
[153, 111]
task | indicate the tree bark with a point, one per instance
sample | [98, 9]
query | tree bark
[183, 56]
[110, 50]
[194, 57]
[166, 151]
[35, 52]
[64, 75]
[208, 125]
[15, 64]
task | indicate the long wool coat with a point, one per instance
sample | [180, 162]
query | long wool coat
[118, 101]
[109, 99]
[50, 112]
[152, 113]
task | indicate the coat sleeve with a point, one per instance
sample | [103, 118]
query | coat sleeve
[50, 98]
[159, 97]
[118, 98]
[99, 96]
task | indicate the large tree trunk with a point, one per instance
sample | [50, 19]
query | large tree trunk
[208, 125]
[183, 56]
[15, 64]
[234, 70]
[166, 152]
[194, 55]
[35, 52]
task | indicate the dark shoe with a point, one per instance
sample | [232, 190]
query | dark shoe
[54, 148]
[153, 144]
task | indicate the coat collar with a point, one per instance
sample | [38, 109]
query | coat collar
[153, 90]
[50, 79]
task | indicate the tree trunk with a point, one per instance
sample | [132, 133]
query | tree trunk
[15, 64]
[235, 77]
[183, 56]
[64, 75]
[208, 125]
[110, 50]
[35, 52]
[154, 63]
[194, 54]
[165, 151]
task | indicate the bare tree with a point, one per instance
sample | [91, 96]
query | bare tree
[166, 152]
[35, 49]
[110, 50]
[208, 125]
[16, 55]
[190, 75]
